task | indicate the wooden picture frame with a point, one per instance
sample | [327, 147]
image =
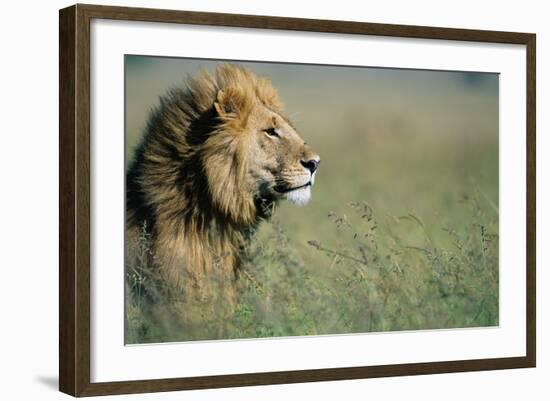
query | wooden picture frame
[74, 200]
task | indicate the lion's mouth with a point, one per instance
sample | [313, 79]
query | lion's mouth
[283, 189]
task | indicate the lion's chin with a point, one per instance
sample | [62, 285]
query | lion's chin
[300, 196]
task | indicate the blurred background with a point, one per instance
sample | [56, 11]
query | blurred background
[418, 147]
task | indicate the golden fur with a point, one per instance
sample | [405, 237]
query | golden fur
[215, 158]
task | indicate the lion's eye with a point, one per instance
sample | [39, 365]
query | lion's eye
[272, 132]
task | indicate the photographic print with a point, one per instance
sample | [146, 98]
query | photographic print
[272, 199]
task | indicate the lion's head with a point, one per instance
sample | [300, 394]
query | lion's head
[254, 156]
[216, 155]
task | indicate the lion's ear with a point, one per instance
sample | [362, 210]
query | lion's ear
[219, 103]
[231, 101]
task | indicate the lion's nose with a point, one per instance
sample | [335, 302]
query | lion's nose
[311, 164]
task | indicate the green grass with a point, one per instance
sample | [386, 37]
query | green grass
[401, 234]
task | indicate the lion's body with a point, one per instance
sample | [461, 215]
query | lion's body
[196, 183]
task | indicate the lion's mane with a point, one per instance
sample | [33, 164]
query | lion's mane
[186, 183]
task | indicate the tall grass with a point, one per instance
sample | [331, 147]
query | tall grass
[384, 273]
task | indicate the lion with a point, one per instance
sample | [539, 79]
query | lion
[216, 156]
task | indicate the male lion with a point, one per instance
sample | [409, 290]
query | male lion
[215, 158]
